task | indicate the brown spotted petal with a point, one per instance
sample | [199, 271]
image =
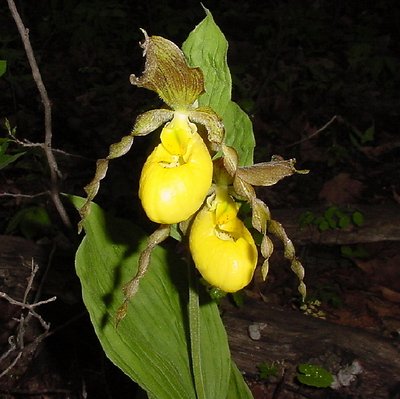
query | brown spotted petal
[260, 215]
[231, 159]
[212, 122]
[268, 173]
[267, 248]
[168, 74]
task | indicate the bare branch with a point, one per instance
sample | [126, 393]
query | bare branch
[17, 195]
[12, 347]
[54, 171]
[315, 133]
[17, 342]
[11, 365]
[29, 144]
[25, 305]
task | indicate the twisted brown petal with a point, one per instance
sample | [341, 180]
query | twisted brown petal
[168, 74]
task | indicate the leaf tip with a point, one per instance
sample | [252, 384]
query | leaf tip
[206, 10]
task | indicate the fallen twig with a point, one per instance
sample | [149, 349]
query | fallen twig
[17, 341]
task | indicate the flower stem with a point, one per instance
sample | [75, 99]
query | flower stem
[195, 332]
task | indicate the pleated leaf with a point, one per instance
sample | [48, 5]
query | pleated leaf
[237, 388]
[151, 343]
[206, 47]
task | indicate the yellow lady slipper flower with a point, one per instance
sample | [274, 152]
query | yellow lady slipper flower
[177, 175]
[222, 248]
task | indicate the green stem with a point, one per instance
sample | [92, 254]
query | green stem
[195, 331]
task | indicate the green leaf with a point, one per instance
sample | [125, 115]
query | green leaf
[344, 221]
[267, 370]
[32, 222]
[354, 252]
[322, 223]
[237, 388]
[346, 251]
[306, 219]
[238, 298]
[206, 47]
[357, 218]
[151, 343]
[330, 216]
[368, 135]
[315, 376]
[198, 328]
[3, 67]
[7, 159]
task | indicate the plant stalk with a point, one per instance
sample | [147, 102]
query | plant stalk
[195, 334]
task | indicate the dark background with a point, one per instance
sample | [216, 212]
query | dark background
[294, 66]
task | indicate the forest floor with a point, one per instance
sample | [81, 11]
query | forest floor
[324, 96]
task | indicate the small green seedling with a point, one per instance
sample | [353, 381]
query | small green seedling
[329, 294]
[357, 218]
[314, 376]
[5, 158]
[359, 138]
[311, 308]
[31, 222]
[332, 218]
[267, 370]
[354, 252]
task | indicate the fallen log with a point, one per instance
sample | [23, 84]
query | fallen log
[287, 338]
[381, 223]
